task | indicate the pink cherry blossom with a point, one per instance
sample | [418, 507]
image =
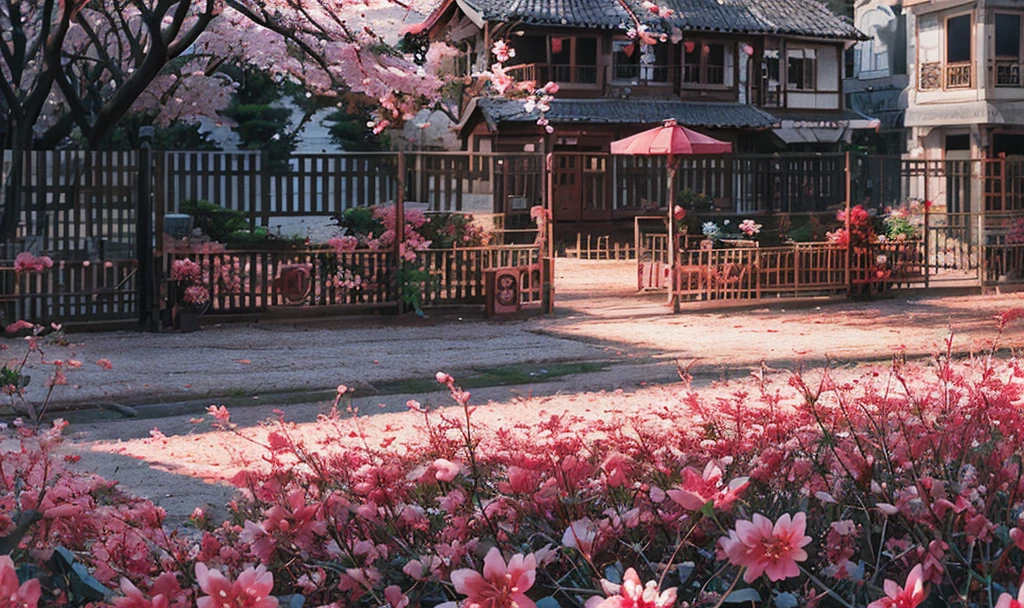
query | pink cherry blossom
[908, 596]
[251, 589]
[766, 549]
[502, 51]
[501, 585]
[14, 595]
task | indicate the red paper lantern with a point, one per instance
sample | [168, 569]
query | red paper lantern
[689, 45]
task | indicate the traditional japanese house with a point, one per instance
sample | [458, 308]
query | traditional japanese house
[765, 75]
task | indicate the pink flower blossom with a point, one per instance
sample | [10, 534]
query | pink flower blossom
[196, 295]
[698, 490]
[1006, 600]
[395, 598]
[766, 549]
[26, 262]
[134, 598]
[908, 596]
[220, 413]
[446, 470]
[581, 536]
[500, 586]
[634, 594]
[502, 51]
[17, 326]
[25, 595]
[251, 589]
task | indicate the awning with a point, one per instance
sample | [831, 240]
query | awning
[821, 126]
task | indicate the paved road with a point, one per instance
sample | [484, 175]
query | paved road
[599, 319]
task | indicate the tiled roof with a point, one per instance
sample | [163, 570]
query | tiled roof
[571, 13]
[632, 111]
[794, 17]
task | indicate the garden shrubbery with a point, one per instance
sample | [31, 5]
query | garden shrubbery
[801, 489]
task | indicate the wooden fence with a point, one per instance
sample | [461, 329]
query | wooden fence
[253, 281]
[328, 184]
[745, 273]
[72, 291]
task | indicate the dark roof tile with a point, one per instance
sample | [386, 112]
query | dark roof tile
[633, 111]
[793, 17]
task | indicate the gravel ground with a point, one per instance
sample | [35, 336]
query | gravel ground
[599, 318]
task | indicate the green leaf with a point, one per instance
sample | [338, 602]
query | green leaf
[743, 596]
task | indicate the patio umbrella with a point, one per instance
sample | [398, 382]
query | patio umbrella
[673, 141]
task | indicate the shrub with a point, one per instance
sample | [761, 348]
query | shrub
[785, 489]
[215, 221]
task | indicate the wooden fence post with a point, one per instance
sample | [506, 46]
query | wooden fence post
[144, 232]
[399, 230]
[849, 237]
[264, 198]
[547, 264]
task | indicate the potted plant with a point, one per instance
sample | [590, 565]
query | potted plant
[191, 296]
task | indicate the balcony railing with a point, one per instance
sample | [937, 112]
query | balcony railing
[959, 75]
[936, 75]
[641, 73]
[930, 77]
[562, 74]
[1007, 73]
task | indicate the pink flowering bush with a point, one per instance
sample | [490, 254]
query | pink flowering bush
[25, 262]
[193, 293]
[890, 487]
[815, 487]
[46, 352]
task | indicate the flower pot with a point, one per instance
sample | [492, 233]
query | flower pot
[188, 320]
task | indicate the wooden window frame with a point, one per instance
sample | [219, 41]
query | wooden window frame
[640, 79]
[573, 64]
[703, 69]
[813, 71]
[1016, 61]
[945, 52]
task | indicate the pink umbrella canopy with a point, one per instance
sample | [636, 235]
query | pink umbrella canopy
[670, 139]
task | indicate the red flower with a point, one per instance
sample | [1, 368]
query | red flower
[766, 549]
[908, 596]
[251, 589]
[24, 596]
[500, 586]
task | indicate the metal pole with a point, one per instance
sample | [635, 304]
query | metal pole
[144, 231]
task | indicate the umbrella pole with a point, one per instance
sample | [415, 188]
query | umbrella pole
[672, 299]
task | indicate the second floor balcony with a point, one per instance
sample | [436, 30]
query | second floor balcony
[565, 75]
[935, 76]
[592, 76]
[1006, 73]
